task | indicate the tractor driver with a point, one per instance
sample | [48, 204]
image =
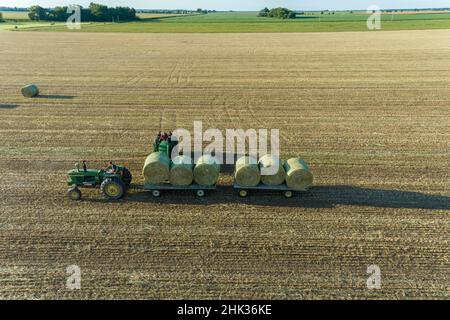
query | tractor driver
[84, 166]
[112, 167]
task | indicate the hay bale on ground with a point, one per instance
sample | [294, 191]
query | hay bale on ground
[246, 172]
[298, 175]
[156, 168]
[206, 171]
[181, 173]
[30, 90]
[273, 167]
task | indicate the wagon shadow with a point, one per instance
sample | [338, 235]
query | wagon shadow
[54, 96]
[330, 196]
[8, 106]
[316, 197]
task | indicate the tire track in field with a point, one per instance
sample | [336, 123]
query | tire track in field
[233, 113]
[133, 81]
[262, 124]
[175, 75]
[168, 121]
[169, 77]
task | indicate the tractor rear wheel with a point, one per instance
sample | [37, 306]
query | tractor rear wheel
[126, 177]
[112, 189]
[74, 193]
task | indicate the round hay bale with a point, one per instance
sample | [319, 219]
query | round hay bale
[156, 168]
[269, 164]
[298, 175]
[181, 171]
[246, 172]
[30, 90]
[206, 171]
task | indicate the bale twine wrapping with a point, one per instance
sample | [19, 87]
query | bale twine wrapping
[156, 168]
[30, 90]
[246, 172]
[181, 171]
[269, 164]
[206, 171]
[298, 175]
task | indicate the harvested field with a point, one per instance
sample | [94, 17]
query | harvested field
[368, 111]
[15, 15]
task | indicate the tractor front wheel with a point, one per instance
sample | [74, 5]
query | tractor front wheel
[112, 189]
[74, 193]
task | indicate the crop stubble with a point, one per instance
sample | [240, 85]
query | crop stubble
[368, 111]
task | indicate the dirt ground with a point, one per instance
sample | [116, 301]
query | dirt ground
[368, 111]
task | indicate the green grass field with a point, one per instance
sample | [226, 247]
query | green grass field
[251, 17]
[29, 25]
[249, 22]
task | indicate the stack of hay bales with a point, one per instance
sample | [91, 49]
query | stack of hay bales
[247, 172]
[274, 167]
[181, 171]
[272, 171]
[156, 168]
[206, 171]
[30, 90]
[298, 174]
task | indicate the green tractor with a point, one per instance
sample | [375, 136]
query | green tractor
[112, 181]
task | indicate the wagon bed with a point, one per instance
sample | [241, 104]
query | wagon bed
[166, 186]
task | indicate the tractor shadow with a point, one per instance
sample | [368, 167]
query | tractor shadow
[8, 106]
[316, 197]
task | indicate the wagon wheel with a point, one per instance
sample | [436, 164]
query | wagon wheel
[288, 194]
[74, 193]
[243, 193]
[156, 193]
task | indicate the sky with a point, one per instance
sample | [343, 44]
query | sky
[240, 5]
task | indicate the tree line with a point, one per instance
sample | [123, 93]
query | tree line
[170, 11]
[280, 13]
[95, 12]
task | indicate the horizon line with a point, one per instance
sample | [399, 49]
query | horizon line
[228, 10]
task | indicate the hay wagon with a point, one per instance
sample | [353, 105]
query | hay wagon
[282, 188]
